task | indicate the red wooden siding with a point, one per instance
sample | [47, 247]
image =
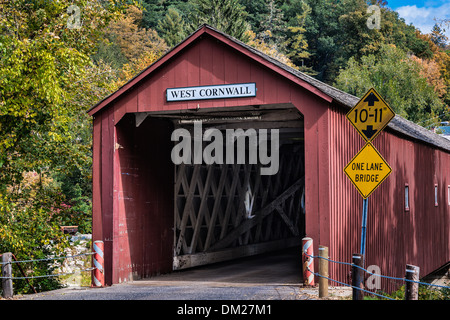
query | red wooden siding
[189, 70]
[143, 200]
[102, 206]
[395, 237]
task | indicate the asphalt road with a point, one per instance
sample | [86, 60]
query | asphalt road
[273, 276]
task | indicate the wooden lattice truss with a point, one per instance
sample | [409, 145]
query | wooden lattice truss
[231, 210]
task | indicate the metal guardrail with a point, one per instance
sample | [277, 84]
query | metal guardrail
[8, 259]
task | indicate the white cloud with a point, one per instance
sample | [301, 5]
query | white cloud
[423, 18]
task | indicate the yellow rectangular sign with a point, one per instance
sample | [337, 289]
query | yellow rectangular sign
[367, 170]
[370, 115]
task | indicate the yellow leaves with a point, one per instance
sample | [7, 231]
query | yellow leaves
[265, 48]
[140, 46]
[131, 69]
[133, 40]
[431, 71]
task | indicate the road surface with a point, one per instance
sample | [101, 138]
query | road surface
[272, 276]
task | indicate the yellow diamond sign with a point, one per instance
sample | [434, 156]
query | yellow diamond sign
[370, 115]
[367, 170]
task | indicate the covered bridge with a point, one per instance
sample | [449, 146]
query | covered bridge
[156, 215]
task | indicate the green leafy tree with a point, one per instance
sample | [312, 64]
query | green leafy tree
[272, 28]
[257, 10]
[172, 28]
[153, 11]
[132, 39]
[323, 34]
[438, 37]
[297, 43]
[228, 16]
[30, 232]
[398, 80]
[45, 65]
[109, 51]
[42, 60]
[268, 49]
[404, 36]
[356, 39]
[337, 30]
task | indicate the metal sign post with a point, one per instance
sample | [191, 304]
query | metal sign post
[363, 229]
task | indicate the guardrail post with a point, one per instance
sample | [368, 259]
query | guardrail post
[357, 276]
[323, 271]
[308, 265]
[411, 288]
[7, 284]
[98, 276]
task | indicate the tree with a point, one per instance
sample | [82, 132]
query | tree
[271, 51]
[398, 80]
[272, 28]
[134, 67]
[132, 39]
[356, 39]
[172, 28]
[440, 58]
[140, 46]
[323, 34]
[431, 71]
[30, 233]
[40, 58]
[438, 37]
[152, 13]
[228, 16]
[337, 30]
[256, 12]
[44, 130]
[404, 36]
[297, 43]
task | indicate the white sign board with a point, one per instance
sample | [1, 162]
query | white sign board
[240, 90]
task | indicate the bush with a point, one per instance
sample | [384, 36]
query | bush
[29, 229]
[425, 293]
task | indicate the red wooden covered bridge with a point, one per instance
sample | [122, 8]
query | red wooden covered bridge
[156, 215]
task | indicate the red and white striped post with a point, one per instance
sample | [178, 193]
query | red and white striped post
[308, 262]
[98, 276]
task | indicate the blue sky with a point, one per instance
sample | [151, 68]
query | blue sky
[421, 13]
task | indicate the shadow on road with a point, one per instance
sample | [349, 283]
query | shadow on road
[274, 268]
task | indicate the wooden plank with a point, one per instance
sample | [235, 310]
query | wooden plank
[288, 172]
[257, 76]
[203, 204]
[206, 63]
[199, 185]
[180, 169]
[187, 208]
[230, 200]
[185, 185]
[192, 75]
[97, 224]
[194, 260]
[217, 203]
[107, 192]
[256, 191]
[247, 238]
[241, 195]
[287, 221]
[247, 224]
